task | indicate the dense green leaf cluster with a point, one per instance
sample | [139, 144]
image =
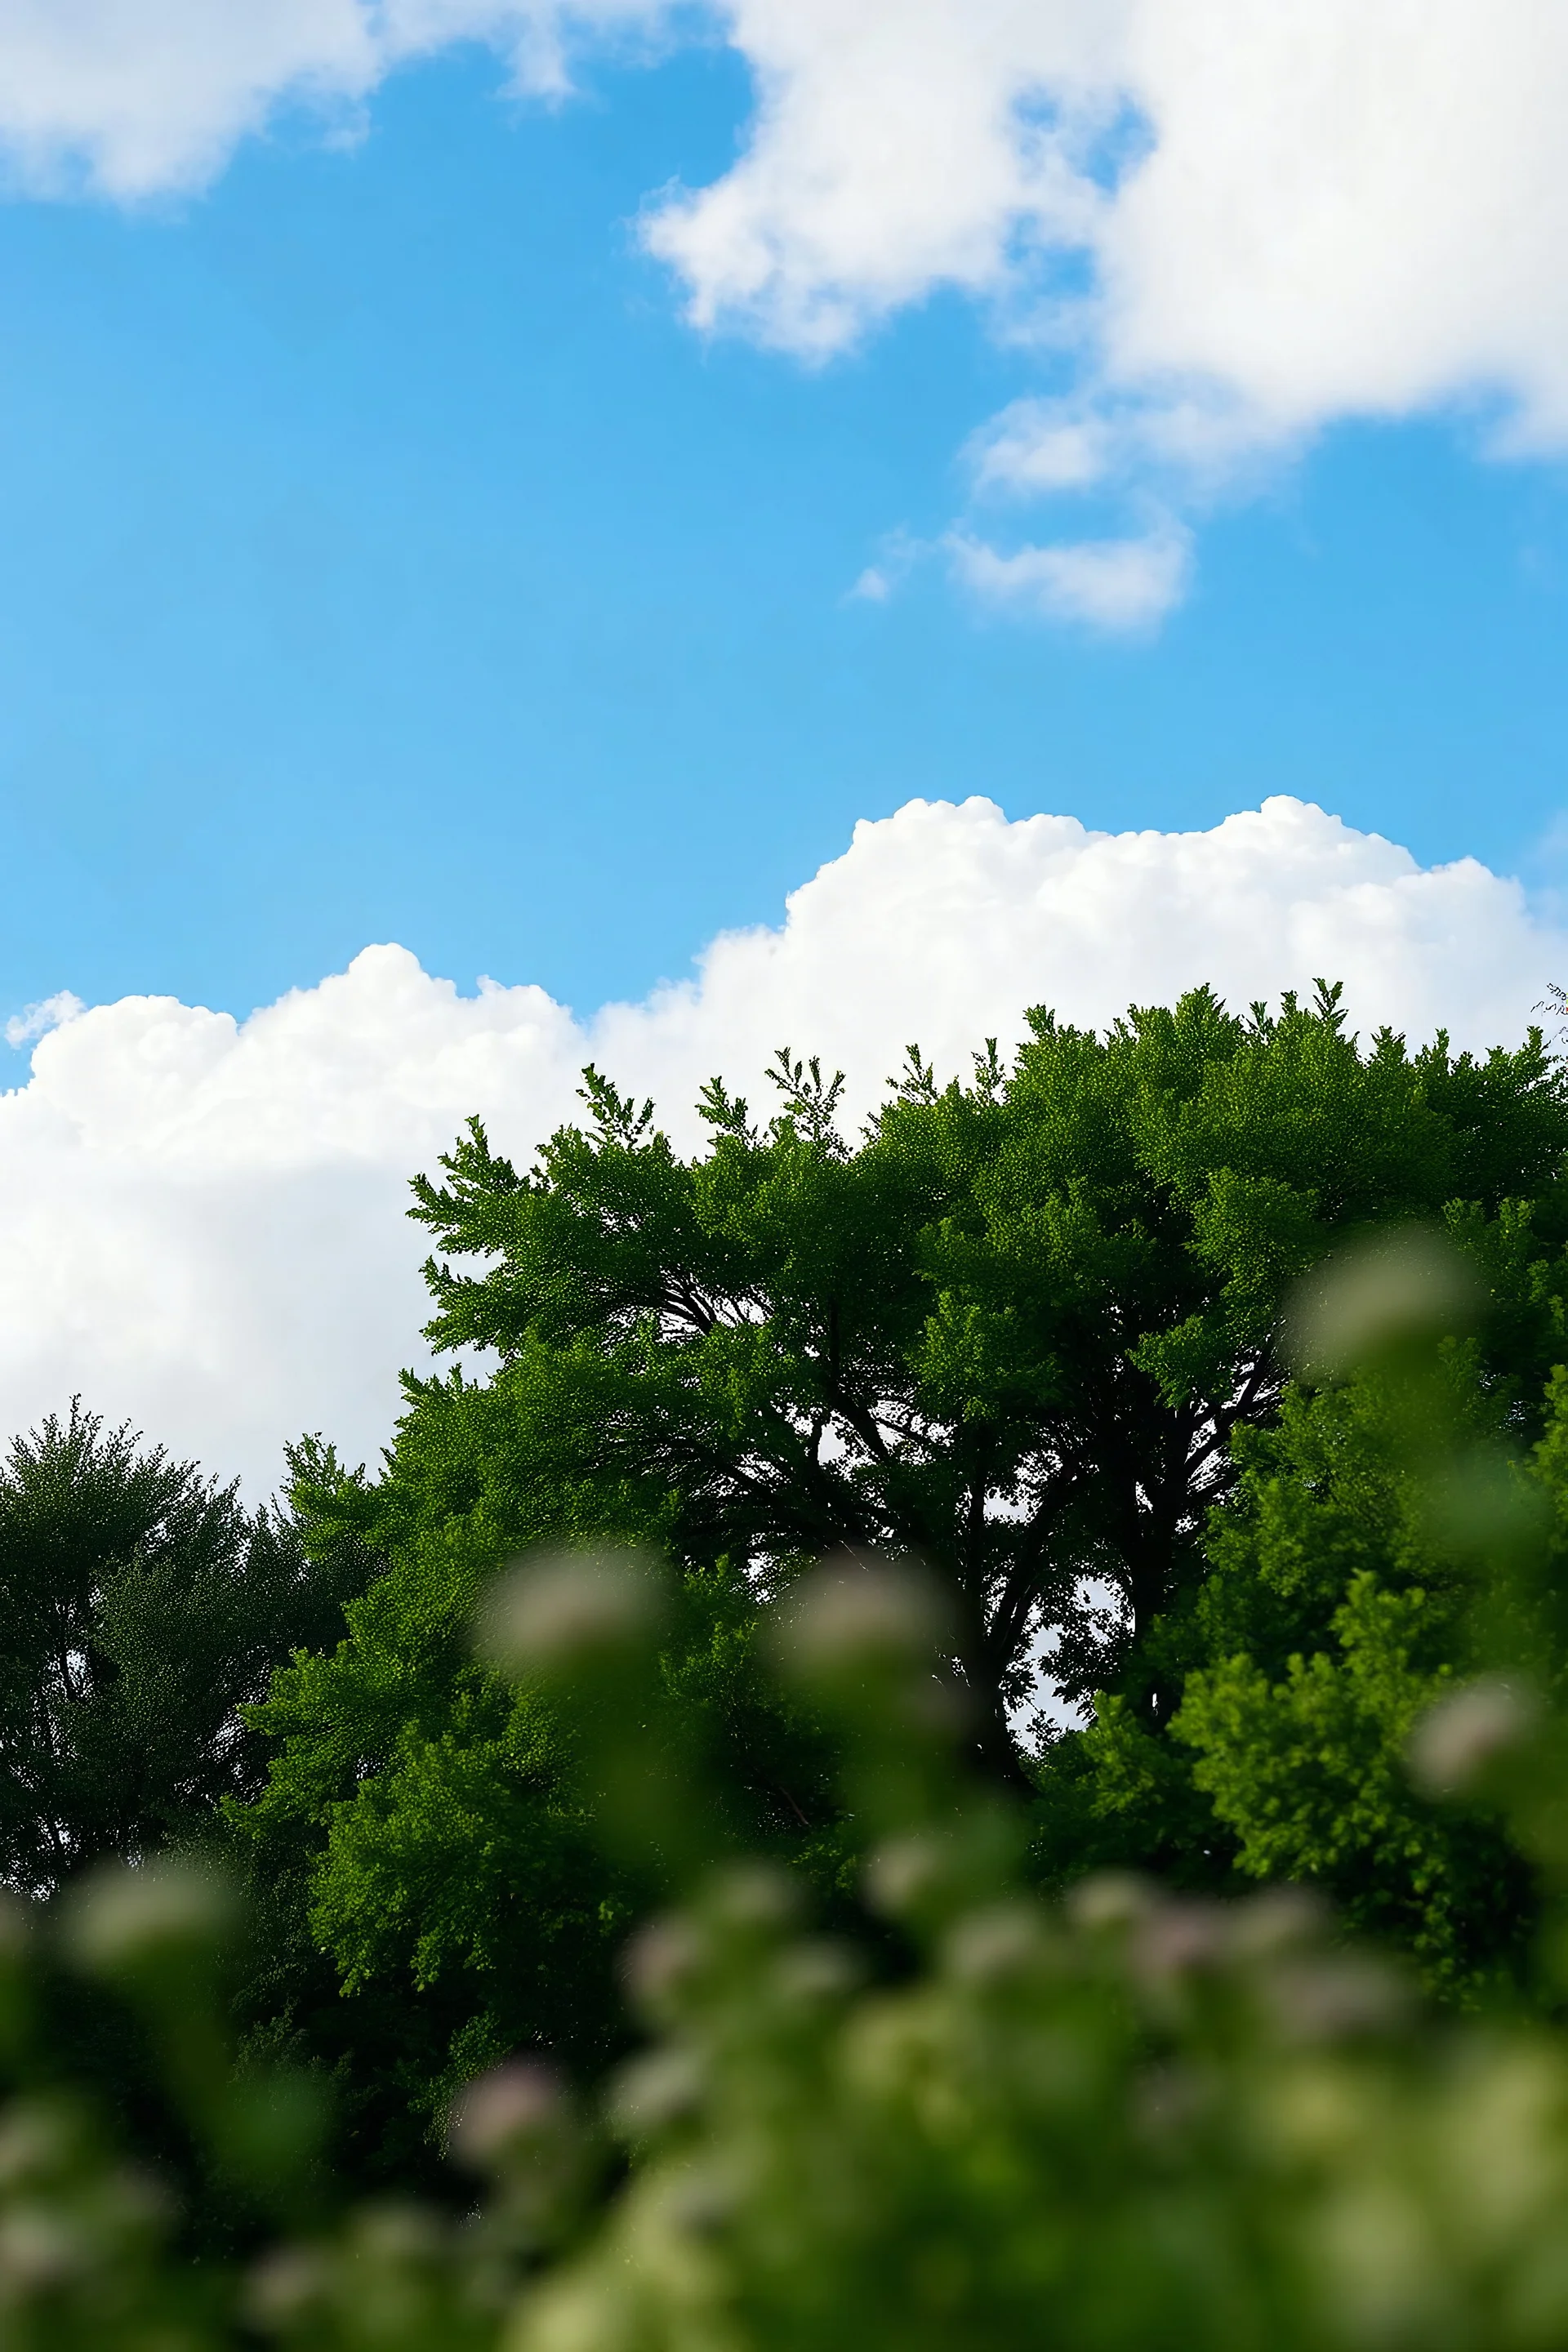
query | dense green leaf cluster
[426, 1814]
[1338, 1604]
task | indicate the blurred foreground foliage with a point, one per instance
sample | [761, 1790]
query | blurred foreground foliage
[957, 2113]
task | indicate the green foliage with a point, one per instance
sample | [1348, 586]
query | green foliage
[1338, 1608]
[1010, 1331]
[1301, 1735]
[423, 1821]
[143, 1608]
[1135, 2124]
[1130, 2124]
[417, 1831]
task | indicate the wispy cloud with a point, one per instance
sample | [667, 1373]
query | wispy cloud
[1114, 584]
[35, 1020]
[1193, 441]
[899, 554]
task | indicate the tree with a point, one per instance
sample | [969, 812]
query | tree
[1012, 1330]
[1339, 1605]
[1338, 1612]
[143, 1606]
[421, 1826]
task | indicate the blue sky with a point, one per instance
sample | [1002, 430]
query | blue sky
[439, 494]
[383, 556]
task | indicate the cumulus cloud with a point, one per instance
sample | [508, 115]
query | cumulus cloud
[201, 1220]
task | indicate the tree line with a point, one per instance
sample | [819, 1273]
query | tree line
[1202, 1378]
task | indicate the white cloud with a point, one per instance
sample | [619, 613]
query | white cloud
[1353, 208]
[889, 154]
[1356, 206]
[1196, 445]
[136, 98]
[1231, 223]
[1043, 444]
[143, 95]
[37, 1020]
[1109, 583]
[897, 557]
[201, 1222]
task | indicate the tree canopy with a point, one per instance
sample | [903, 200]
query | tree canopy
[143, 1606]
[1027, 1328]
[1012, 1328]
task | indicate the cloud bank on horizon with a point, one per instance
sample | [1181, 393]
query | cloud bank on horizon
[201, 1220]
[1221, 226]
